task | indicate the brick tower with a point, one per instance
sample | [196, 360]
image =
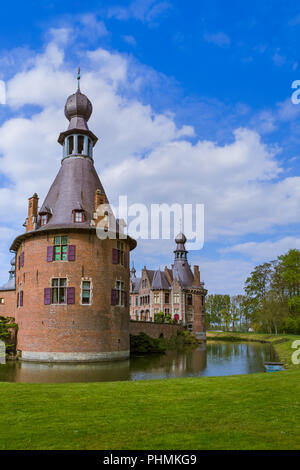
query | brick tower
[71, 286]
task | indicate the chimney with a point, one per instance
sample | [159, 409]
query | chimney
[196, 276]
[32, 212]
[99, 198]
[168, 275]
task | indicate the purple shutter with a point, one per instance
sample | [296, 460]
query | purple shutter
[49, 253]
[18, 299]
[71, 252]
[47, 296]
[21, 298]
[22, 259]
[113, 297]
[115, 256]
[19, 262]
[70, 295]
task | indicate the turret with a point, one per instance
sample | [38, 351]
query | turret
[180, 251]
[78, 140]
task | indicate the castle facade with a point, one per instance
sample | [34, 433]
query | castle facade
[177, 292]
[68, 288]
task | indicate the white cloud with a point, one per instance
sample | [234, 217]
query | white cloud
[130, 40]
[92, 26]
[148, 11]
[141, 153]
[279, 59]
[224, 276]
[265, 251]
[219, 39]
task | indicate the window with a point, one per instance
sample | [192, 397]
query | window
[202, 300]
[156, 298]
[2, 301]
[167, 311]
[43, 219]
[120, 294]
[176, 298]
[80, 144]
[70, 145]
[86, 292]
[167, 298]
[20, 299]
[120, 248]
[78, 216]
[137, 301]
[144, 283]
[189, 299]
[58, 290]
[60, 248]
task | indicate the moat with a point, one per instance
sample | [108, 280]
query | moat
[214, 359]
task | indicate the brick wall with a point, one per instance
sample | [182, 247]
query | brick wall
[154, 330]
[95, 328]
[8, 308]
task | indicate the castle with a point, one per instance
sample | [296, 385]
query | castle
[176, 292]
[68, 288]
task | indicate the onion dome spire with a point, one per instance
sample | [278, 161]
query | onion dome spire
[133, 271]
[78, 140]
[78, 78]
[180, 251]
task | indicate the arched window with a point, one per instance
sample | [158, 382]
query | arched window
[70, 145]
[80, 144]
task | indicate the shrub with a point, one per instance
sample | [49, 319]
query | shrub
[143, 344]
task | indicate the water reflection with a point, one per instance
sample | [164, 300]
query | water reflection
[2, 352]
[216, 358]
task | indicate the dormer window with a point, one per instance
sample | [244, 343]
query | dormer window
[78, 216]
[43, 219]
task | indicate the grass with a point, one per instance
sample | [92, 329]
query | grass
[256, 411]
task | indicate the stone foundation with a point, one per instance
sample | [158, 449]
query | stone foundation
[32, 356]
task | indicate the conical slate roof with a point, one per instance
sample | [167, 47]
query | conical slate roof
[160, 280]
[183, 272]
[77, 181]
[181, 268]
[73, 188]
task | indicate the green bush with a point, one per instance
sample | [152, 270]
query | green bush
[6, 326]
[143, 344]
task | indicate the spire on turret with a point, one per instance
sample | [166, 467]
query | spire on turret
[180, 251]
[78, 78]
[78, 140]
[132, 271]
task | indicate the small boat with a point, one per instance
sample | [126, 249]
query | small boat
[274, 366]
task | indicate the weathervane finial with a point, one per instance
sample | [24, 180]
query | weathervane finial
[78, 78]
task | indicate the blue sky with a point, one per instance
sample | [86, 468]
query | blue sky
[205, 82]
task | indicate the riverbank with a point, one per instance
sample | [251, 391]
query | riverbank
[255, 411]
[281, 343]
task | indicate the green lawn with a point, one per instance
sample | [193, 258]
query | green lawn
[257, 411]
